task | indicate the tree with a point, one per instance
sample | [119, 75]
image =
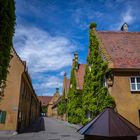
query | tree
[62, 107]
[7, 22]
[44, 109]
[95, 94]
[74, 105]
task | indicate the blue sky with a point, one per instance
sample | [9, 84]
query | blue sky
[48, 32]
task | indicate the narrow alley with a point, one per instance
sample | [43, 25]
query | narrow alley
[48, 129]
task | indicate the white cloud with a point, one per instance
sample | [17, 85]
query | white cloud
[46, 84]
[52, 82]
[44, 54]
[42, 51]
[126, 17]
[62, 73]
[79, 17]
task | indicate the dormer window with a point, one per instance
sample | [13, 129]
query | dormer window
[124, 27]
[135, 83]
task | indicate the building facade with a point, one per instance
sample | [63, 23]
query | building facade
[19, 105]
[50, 104]
[122, 50]
[44, 101]
[53, 112]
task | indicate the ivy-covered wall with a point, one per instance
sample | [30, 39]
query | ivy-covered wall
[7, 22]
[62, 107]
[74, 104]
[95, 94]
[94, 97]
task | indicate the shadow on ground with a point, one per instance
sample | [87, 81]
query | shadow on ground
[36, 126]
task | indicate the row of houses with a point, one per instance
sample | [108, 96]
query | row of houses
[19, 105]
[121, 49]
[48, 103]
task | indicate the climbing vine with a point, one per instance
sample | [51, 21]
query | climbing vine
[74, 107]
[62, 107]
[95, 94]
[7, 22]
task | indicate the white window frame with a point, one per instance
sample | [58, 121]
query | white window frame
[135, 77]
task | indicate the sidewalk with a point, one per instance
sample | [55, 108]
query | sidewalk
[36, 126]
[48, 129]
[76, 126]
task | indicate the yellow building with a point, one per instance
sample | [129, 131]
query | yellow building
[44, 100]
[55, 109]
[19, 105]
[51, 112]
[122, 52]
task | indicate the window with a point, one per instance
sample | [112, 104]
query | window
[2, 116]
[135, 83]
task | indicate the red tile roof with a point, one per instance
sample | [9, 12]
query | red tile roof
[122, 48]
[44, 99]
[80, 76]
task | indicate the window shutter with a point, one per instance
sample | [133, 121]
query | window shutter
[3, 117]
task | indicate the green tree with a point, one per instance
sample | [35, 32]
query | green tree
[74, 107]
[7, 22]
[62, 107]
[44, 109]
[95, 94]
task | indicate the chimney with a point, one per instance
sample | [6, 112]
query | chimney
[57, 90]
[65, 74]
[76, 60]
[124, 27]
[73, 62]
[76, 57]
[93, 26]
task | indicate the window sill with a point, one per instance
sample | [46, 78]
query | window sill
[135, 91]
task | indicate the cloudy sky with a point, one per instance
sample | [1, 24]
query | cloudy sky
[48, 32]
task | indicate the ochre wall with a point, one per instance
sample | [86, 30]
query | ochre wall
[29, 106]
[127, 102]
[50, 105]
[10, 101]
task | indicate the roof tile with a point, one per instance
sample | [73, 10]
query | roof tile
[44, 99]
[123, 48]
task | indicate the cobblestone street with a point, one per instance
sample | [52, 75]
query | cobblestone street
[52, 129]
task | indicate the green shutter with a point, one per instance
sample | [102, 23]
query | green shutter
[3, 117]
